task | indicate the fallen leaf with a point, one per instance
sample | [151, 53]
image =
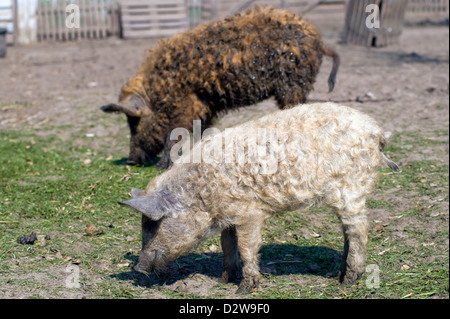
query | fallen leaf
[129, 238]
[428, 244]
[121, 265]
[405, 267]
[378, 228]
[213, 248]
[91, 229]
[434, 214]
[314, 234]
[279, 240]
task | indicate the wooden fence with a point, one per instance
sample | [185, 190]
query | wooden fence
[141, 18]
[156, 18]
[390, 17]
[97, 19]
[427, 11]
[428, 7]
[153, 18]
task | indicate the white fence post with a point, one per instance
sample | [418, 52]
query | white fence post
[26, 21]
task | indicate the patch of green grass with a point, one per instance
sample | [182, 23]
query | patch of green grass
[54, 189]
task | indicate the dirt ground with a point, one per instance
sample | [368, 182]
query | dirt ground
[404, 86]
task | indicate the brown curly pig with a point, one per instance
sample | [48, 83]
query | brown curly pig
[224, 65]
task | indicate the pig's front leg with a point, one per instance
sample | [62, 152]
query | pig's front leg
[249, 242]
[231, 263]
[165, 161]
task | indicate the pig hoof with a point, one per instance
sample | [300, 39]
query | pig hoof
[140, 270]
[225, 278]
[349, 278]
[228, 277]
[246, 287]
[242, 290]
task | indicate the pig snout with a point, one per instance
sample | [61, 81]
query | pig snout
[149, 261]
[136, 157]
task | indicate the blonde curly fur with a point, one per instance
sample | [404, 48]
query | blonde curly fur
[326, 153]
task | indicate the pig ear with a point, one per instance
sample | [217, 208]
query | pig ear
[147, 205]
[134, 106]
[110, 108]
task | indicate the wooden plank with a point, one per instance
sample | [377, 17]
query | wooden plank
[154, 25]
[46, 18]
[66, 30]
[61, 20]
[152, 9]
[348, 21]
[153, 18]
[102, 14]
[51, 22]
[129, 34]
[96, 16]
[114, 16]
[159, 17]
[39, 22]
[81, 33]
[154, 2]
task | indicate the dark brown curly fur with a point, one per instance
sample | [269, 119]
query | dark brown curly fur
[224, 65]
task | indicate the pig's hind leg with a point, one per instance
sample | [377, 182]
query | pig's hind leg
[353, 217]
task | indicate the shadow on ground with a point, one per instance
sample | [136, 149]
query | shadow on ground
[278, 259]
[124, 162]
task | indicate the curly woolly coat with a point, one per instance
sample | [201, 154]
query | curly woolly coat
[224, 65]
[325, 153]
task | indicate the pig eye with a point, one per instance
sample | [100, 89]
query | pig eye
[149, 229]
[150, 225]
[133, 123]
